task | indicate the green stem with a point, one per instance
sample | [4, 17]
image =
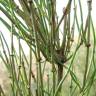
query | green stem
[88, 44]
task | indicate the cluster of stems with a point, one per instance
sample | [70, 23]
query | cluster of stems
[37, 24]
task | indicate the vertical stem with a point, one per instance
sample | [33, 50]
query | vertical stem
[60, 75]
[48, 82]
[68, 35]
[30, 66]
[19, 66]
[15, 84]
[53, 5]
[54, 77]
[53, 33]
[38, 58]
[12, 61]
[32, 27]
[88, 43]
[60, 72]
